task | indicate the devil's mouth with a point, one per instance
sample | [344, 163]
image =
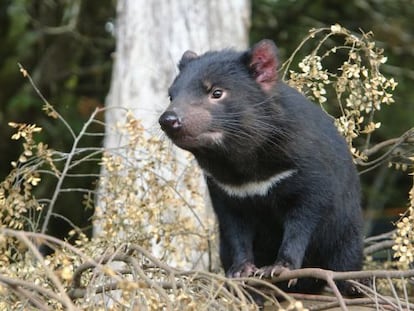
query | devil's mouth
[205, 139]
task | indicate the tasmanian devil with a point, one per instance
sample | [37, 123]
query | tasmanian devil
[281, 179]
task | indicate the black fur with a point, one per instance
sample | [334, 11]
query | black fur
[259, 128]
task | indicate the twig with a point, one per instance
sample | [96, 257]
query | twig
[406, 294]
[149, 282]
[35, 301]
[378, 247]
[45, 101]
[348, 275]
[15, 284]
[408, 136]
[64, 297]
[336, 292]
[76, 280]
[381, 299]
[382, 236]
[394, 292]
[53, 240]
[64, 171]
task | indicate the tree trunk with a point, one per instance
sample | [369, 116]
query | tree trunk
[151, 38]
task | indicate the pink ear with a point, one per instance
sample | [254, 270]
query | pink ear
[264, 63]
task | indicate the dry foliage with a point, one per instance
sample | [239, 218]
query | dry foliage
[358, 84]
[141, 200]
[404, 234]
[143, 205]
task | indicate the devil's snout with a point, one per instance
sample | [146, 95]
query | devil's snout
[170, 122]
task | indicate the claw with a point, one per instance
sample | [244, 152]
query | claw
[292, 282]
[259, 273]
[271, 271]
[245, 269]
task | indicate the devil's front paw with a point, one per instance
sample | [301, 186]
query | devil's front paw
[242, 270]
[271, 271]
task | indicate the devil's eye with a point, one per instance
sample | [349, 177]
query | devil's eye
[217, 93]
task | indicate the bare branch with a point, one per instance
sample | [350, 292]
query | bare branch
[19, 286]
[408, 136]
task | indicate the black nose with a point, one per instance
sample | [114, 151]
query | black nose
[170, 122]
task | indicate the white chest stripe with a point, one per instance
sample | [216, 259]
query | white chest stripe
[256, 187]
